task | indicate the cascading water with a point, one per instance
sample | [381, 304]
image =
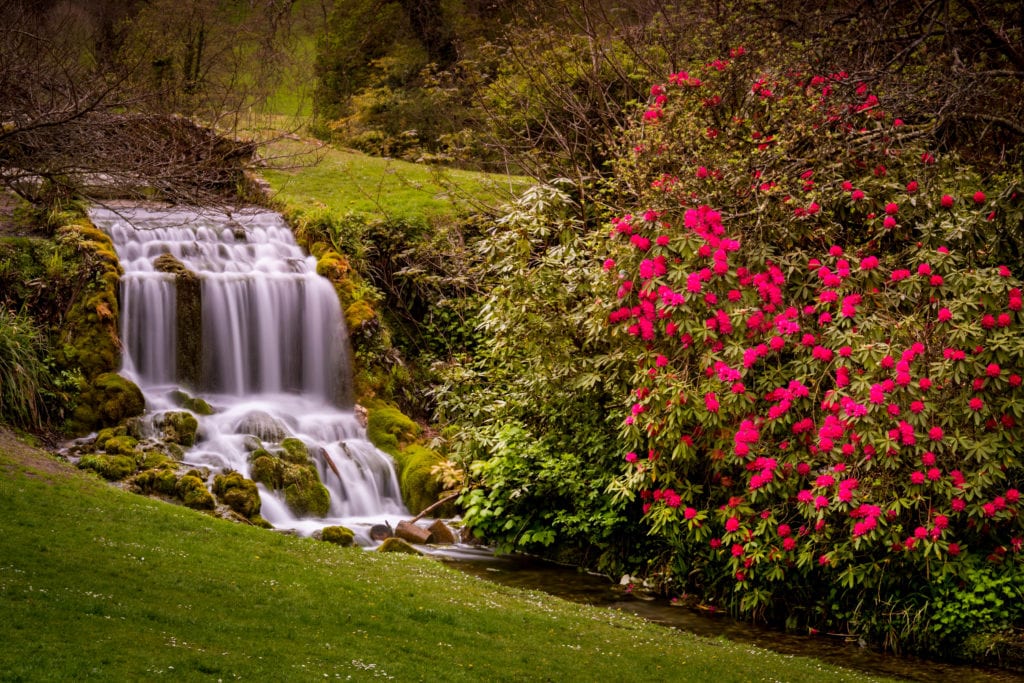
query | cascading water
[248, 325]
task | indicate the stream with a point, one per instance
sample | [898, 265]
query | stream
[571, 584]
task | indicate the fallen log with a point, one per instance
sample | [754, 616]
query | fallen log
[433, 506]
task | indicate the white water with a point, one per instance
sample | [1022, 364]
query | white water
[274, 350]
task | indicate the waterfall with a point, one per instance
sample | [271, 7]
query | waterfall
[240, 318]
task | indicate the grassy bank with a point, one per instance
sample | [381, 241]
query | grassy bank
[349, 181]
[101, 584]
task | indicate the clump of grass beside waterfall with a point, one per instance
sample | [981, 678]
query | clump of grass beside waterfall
[97, 583]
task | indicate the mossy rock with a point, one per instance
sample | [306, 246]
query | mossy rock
[112, 467]
[339, 535]
[109, 399]
[179, 427]
[121, 445]
[168, 263]
[303, 492]
[163, 481]
[420, 486]
[238, 493]
[108, 433]
[262, 425]
[267, 470]
[295, 451]
[397, 545]
[193, 403]
[152, 459]
[192, 491]
[389, 429]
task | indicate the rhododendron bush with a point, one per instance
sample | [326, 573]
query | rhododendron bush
[826, 420]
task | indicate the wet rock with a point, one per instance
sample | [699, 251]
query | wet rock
[193, 403]
[440, 533]
[408, 531]
[381, 532]
[121, 445]
[193, 493]
[178, 427]
[238, 493]
[362, 415]
[262, 425]
[295, 451]
[112, 467]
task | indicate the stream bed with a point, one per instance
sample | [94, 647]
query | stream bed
[571, 584]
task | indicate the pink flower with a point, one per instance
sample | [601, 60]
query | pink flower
[869, 262]
[917, 478]
[857, 195]
[992, 370]
[631, 457]
[784, 530]
[789, 543]
[689, 513]
[711, 402]
[912, 187]
[945, 315]
[608, 264]
[976, 404]
[892, 208]
[954, 549]
[979, 197]
[936, 433]
[732, 524]
[946, 201]
[889, 222]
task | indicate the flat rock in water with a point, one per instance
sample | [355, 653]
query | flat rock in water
[412, 533]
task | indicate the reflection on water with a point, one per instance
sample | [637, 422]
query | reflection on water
[570, 584]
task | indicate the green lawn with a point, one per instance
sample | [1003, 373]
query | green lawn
[101, 584]
[346, 180]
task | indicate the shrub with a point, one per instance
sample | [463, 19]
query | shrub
[826, 401]
[24, 374]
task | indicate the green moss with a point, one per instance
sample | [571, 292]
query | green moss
[397, 545]
[108, 433]
[358, 314]
[112, 467]
[295, 451]
[303, 492]
[338, 535]
[163, 481]
[121, 445]
[151, 459]
[108, 399]
[267, 470]
[179, 427]
[238, 493]
[420, 487]
[193, 493]
[193, 403]
[389, 429]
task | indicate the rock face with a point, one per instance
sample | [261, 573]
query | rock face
[189, 292]
[381, 532]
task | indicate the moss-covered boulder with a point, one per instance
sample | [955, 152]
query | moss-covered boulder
[121, 445]
[178, 426]
[238, 493]
[416, 477]
[397, 545]
[107, 433]
[338, 535]
[192, 491]
[263, 426]
[267, 470]
[160, 480]
[151, 459]
[295, 451]
[389, 429]
[193, 403]
[107, 400]
[112, 467]
[303, 492]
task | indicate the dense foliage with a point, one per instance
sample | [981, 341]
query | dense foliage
[824, 422]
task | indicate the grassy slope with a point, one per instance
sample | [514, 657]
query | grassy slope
[98, 583]
[345, 180]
